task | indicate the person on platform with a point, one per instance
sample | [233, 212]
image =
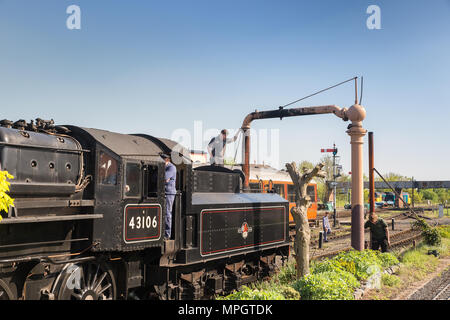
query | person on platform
[326, 226]
[217, 146]
[379, 233]
[170, 178]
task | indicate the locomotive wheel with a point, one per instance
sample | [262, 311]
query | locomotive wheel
[87, 281]
[5, 291]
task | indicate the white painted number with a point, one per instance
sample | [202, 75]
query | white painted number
[143, 222]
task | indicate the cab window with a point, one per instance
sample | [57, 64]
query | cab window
[107, 169]
[132, 180]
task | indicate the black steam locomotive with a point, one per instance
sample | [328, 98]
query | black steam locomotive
[88, 219]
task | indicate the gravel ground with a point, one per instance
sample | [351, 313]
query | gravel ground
[429, 291]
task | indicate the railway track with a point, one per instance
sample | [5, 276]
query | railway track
[345, 234]
[399, 239]
[443, 292]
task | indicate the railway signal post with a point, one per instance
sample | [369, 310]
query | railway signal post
[335, 175]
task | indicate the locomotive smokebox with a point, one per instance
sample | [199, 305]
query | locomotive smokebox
[42, 164]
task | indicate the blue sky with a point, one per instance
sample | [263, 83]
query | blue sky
[158, 66]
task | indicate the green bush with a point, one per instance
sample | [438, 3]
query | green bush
[362, 264]
[247, 293]
[263, 291]
[390, 280]
[444, 231]
[387, 259]
[326, 285]
[431, 235]
[5, 199]
[287, 274]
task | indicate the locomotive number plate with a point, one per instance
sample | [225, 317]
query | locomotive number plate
[142, 223]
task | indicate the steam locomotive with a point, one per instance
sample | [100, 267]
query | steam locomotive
[88, 219]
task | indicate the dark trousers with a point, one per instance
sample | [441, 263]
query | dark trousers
[169, 204]
[376, 244]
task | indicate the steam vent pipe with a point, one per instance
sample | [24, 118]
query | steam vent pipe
[356, 114]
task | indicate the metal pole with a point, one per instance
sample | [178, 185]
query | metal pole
[320, 239]
[371, 177]
[334, 186]
[356, 114]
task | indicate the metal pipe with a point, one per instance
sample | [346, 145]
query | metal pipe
[280, 113]
[371, 177]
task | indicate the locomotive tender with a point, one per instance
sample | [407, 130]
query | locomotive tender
[88, 220]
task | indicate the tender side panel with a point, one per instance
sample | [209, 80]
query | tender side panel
[233, 229]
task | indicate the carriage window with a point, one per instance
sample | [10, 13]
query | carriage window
[107, 169]
[291, 193]
[311, 193]
[279, 188]
[133, 180]
[254, 187]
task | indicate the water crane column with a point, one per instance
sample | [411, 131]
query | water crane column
[356, 114]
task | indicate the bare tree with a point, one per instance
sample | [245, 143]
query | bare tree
[299, 213]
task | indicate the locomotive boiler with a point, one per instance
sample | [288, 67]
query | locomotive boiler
[88, 219]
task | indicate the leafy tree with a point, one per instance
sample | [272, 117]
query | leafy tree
[429, 194]
[5, 199]
[305, 164]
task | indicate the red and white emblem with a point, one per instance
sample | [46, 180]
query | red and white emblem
[244, 230]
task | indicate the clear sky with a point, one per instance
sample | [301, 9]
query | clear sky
[159, 66]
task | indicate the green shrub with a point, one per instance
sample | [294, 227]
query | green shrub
[289, 293]
[362, 264]
[390, 280]
[444, 231]
[263, 291]
[431, 235]
[247, 293]
[5, 199]
[326, 285]
[387, 259]
[287, 274]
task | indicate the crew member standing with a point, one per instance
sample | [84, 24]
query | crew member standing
[170, 179]
[326, 226]
[379, 233]
[217, 146]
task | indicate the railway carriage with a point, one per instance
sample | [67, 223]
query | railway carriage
[266, 179]
[87, 223]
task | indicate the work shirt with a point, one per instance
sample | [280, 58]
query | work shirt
[377, 229]
[326, 223]
[171, 175]
[217, 147]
